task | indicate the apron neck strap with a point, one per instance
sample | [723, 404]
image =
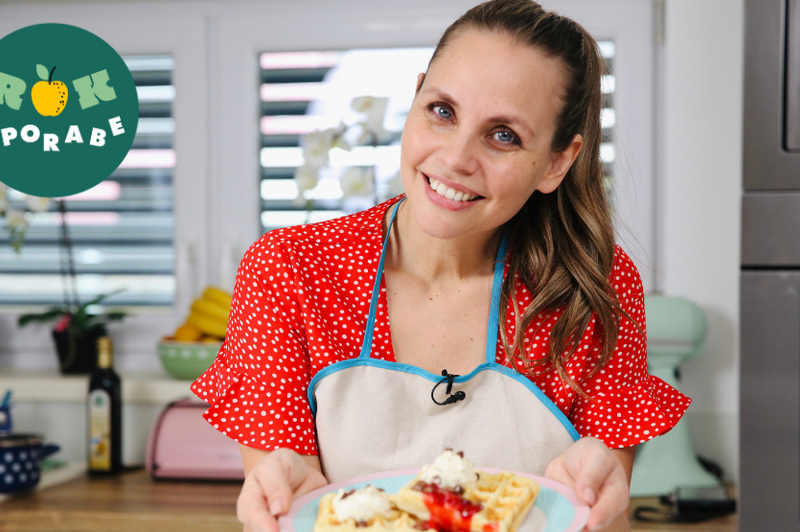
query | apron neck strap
[366, 345]
[494, 312]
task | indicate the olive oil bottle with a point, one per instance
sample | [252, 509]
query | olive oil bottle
[105, 414]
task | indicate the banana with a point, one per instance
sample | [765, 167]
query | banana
[212, 309]
[207, 324]
[220, 297]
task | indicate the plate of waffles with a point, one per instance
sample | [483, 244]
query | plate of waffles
[403, 501]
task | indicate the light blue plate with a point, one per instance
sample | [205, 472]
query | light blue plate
[556, 509]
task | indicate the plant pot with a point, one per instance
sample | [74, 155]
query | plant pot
[77, 351]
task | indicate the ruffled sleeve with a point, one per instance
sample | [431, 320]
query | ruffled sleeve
[627, 406]
[257, 384]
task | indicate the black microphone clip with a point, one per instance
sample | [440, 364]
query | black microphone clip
[451, 397]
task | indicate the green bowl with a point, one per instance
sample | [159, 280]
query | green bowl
[187, 360]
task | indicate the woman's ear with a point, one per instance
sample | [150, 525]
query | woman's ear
[560, 164]
[420, 80]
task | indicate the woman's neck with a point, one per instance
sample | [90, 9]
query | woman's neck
[432, 259]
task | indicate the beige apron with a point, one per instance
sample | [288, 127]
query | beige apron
[373, 415]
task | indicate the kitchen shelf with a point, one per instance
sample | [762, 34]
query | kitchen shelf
[50, 386]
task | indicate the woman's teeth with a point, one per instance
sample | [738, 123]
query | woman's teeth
[449, 193]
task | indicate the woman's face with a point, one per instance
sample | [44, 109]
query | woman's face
[480, 130]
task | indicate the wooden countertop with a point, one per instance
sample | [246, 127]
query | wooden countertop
[133, 502]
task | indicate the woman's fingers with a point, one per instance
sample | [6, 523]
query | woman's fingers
[612, 499]
[602, 484]
[252, 508]
[268, 491]
[597, 477]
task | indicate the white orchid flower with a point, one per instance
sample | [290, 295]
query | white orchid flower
[356, 181]
[307, 178]
[337, 139]
[316, 147]
[37, 204]
[16, 220]
[375, 110]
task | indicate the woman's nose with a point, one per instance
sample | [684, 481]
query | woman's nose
[459, 153]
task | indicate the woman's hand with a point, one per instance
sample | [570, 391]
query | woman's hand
[599, 479]
[272, 481]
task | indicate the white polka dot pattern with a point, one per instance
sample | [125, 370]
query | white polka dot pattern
[300, 303]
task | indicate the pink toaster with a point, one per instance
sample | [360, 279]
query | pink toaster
[182, 445]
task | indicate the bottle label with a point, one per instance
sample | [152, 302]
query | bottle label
[99, 430]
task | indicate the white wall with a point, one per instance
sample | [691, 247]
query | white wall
[699, 203]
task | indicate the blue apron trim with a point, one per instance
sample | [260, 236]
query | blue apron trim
[408, 368]
[366, 344]
[494, 313]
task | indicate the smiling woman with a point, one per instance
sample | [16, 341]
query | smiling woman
[497, 273]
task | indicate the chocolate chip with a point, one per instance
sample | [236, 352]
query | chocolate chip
[460, 453]
[458, 489]
[362, 524]
[347, 493]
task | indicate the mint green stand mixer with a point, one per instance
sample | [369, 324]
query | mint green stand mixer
[676, 332]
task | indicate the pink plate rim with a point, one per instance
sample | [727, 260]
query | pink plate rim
[581, 509]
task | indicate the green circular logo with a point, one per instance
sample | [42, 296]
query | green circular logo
[68, 110]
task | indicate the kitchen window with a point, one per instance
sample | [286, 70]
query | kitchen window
[121, 230]
[222, 197]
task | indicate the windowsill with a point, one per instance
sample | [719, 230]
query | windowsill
[43, 386]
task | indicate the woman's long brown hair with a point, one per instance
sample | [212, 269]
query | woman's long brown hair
[562, 243]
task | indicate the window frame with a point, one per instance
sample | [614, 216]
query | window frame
[185, 38]
[216, 45]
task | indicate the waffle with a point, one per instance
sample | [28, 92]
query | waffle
[494, 503]
[396, 521]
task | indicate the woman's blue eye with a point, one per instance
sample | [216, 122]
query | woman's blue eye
[443, 112]
[505, 136]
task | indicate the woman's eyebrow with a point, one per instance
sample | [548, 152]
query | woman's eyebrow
[439, 94]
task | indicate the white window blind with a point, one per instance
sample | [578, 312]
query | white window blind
[302, 92]
[122, 229]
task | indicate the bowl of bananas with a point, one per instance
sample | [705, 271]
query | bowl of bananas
[191, 349]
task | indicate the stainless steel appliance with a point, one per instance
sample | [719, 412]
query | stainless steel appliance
[770, 280]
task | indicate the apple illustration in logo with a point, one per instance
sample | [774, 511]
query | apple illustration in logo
[49, 97]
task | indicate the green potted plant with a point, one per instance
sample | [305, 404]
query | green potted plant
[76, 332]
[77, 328]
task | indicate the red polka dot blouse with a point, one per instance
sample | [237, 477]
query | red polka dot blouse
[300, 303]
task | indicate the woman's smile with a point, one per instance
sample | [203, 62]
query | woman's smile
[449, 195]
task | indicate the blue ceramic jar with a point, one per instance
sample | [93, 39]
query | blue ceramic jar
[19, 461]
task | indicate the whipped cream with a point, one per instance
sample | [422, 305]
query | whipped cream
[450, 469]
[362, 504]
